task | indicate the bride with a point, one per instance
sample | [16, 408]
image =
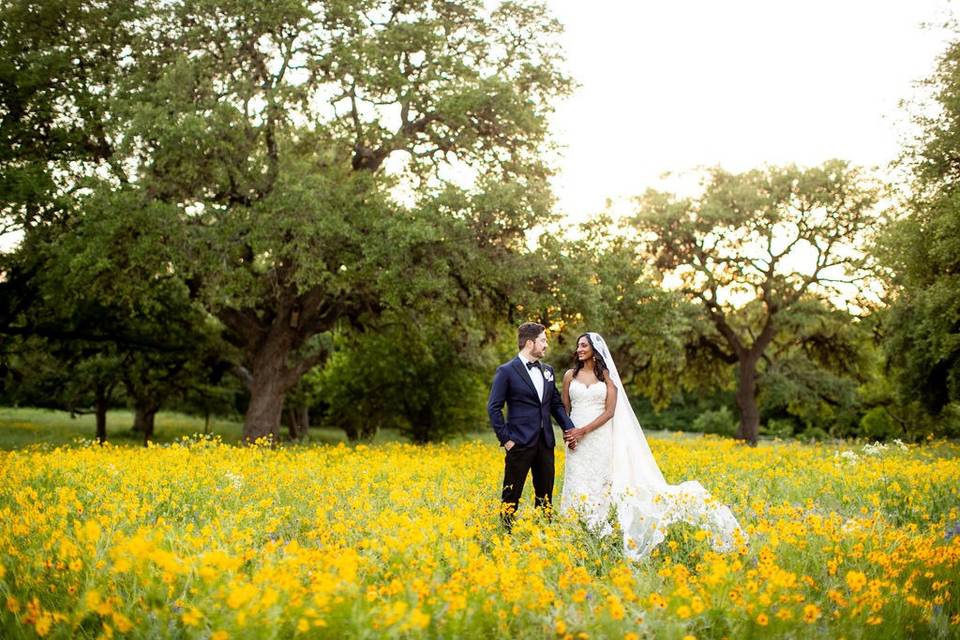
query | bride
[609, 464]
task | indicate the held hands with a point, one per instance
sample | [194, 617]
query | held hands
[573, 436]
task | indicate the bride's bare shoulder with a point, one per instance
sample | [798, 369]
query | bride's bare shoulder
[568, 375]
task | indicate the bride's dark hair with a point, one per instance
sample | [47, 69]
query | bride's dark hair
[599, 364]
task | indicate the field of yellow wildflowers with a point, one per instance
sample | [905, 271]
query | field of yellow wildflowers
[206, 540]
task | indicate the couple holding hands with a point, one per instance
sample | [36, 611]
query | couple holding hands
[609, 466]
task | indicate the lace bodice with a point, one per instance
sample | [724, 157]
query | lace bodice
[586, 401]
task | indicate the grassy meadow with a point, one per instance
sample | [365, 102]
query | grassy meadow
[198, 538]
[23, 427]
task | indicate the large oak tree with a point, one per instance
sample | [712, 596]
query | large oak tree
[751, 251]
[298, 156]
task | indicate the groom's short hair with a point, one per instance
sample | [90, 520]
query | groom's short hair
[529, 331]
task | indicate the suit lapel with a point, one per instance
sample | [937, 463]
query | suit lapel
[522, 371]
[546, 384]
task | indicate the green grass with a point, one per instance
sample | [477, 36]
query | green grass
[24, 427]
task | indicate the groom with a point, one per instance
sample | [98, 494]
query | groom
[529, 390]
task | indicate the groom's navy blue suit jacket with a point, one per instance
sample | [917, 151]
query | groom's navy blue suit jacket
[527, 414]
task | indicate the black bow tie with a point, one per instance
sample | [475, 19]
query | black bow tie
[531, 365]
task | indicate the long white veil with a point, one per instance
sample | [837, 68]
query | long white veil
[646, 505]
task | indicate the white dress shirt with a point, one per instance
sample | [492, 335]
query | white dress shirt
[537, 377]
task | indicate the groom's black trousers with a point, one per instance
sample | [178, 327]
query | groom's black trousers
[537, 458]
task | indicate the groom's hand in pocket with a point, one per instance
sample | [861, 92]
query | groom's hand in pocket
[508, 445]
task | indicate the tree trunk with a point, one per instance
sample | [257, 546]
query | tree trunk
[149, 418]
[262, 419]
[353, 435]
[270, 380]
[304, 421]
[268, 340]
[747, 400]
[271, 374]
[292, 423]
[139, 420]
[299, 422]
[143, 417]
[101, 406]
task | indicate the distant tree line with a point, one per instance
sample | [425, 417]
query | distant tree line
[324, 213]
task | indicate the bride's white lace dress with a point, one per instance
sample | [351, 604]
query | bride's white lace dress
[612, 467]
[586, 474]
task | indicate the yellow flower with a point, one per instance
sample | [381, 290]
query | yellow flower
[241, 595]
[616, 608]
[362, 536]
[123, 622]
[42, 625]
[192, 617]
[419, 619]
[856, 580]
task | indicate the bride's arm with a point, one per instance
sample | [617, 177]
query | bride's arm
[609, 407]
[567, 377]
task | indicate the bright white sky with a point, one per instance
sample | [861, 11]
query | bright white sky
[680, 84]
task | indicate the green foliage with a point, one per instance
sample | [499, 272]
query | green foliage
[815, 368]
[877, 424]
[287, 164]
[778, 428]
[719, 421]
[57, 375]
[63, 65]
[596, 282]
[682, 410]
[755, 255]
[96, 312]
[425, 379]
[346, 190]
[922, 248]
